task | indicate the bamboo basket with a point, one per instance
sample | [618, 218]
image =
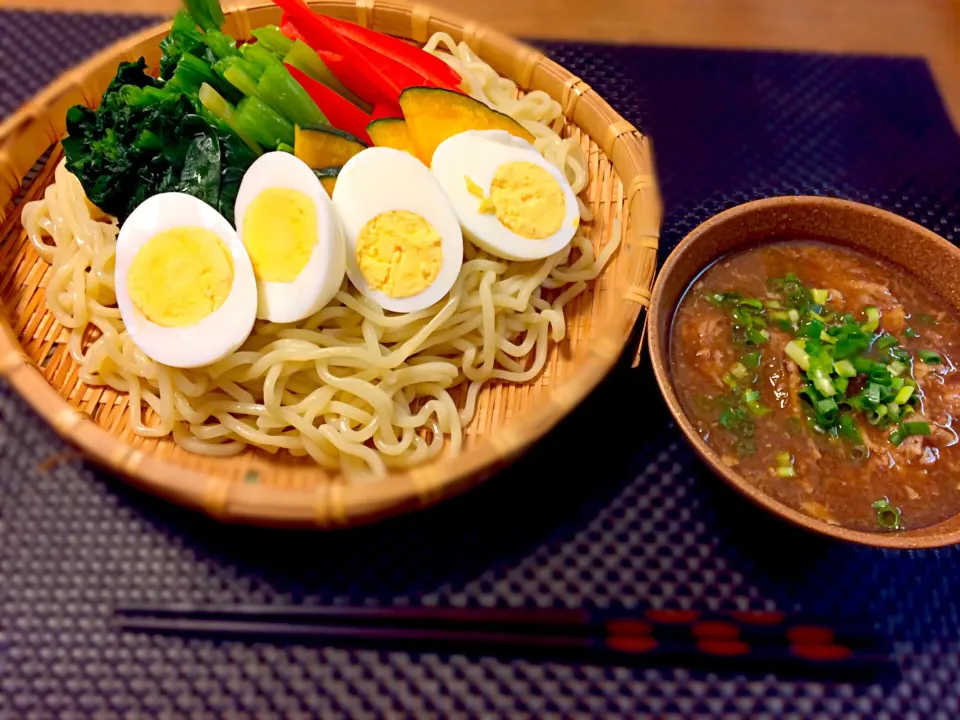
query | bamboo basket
[259, 488]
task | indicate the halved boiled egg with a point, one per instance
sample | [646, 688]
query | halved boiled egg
[184, 283]
[404, 245]
[510, 200]
[290, 230]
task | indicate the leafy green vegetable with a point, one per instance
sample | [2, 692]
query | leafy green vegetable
[221, 45]
[200, 176]
[119, 152]
[283, 93]
[184, 39]
[183, 131]
[206, 13]
[235, 158]
[146, 138]
[262, 123]
[273, 39]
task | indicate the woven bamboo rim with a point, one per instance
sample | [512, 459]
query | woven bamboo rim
[273, 490]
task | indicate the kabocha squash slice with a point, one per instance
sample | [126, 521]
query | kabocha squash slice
[321, 146]
[433, 114]
[328, 177]
[391, 133]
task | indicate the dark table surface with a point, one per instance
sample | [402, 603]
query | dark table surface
[611, 509]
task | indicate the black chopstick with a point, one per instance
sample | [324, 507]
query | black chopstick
[756, 626]
[763, 641]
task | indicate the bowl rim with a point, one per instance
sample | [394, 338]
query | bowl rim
[38, 125]
[658, 346]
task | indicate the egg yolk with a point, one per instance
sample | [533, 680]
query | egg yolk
[180, 276]
[399, 253]
[280, 233]
[528, 200]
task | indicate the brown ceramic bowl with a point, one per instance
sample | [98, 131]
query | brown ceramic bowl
[890, 237]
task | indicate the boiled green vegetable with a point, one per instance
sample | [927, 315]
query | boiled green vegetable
[146, 138]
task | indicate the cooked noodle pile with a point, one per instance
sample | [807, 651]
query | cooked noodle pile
[355, 388]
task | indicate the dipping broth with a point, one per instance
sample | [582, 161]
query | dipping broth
[827, 378]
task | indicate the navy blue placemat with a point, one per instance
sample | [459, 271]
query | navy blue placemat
[611, 509]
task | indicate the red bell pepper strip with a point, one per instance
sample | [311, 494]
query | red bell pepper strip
[355, 62]
[340, 112]
[287, 28]
[435, 70]
[346, 72]
[398, 75]
[385, 110]
[350, 75]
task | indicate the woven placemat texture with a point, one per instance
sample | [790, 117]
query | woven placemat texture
[611, 509]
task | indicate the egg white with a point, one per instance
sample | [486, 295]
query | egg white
[378, 180]
[219, 333]
[322, 276]
[477, 154]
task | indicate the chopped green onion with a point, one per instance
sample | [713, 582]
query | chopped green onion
[896, 368]
[828, 405]
[896, 383]
[916, 428]
[785, 471]
[784, 458]
[739, 370]
[907, 429]
[774, 304]
[822, 382]
[730, 381]
[850, 345]
[873, 319]
[751, 360]
[793, 315]
[872, 392]
[847, 429]
[911, 333]
[875, 416]
[827, 338]
[841, 383]
[751, 398]
[729, 418]
[929, 357]
[819, 296]
[728, 299]
[886, 342]
[757, 337]
[752, 303]
[888, 516]
[845, 369]
[736, 421]
[904, 395]
[795, 351]
[880, 374]
[813, 329]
